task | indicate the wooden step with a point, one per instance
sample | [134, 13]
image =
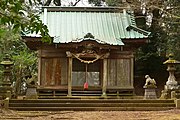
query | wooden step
[86, 93]
[79, 91]
[86, 97]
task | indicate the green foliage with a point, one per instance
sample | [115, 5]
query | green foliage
[164, 26]
[21, 16]
[113, 2]
[7, 39]
[1, 72]
[25, 65]
[25, 61]
[149, 63]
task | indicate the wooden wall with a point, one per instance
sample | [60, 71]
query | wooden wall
[120, 69]
[53, 68]
[119, 73]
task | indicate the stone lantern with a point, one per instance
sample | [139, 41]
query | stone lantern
[5, 87]
[171, 63]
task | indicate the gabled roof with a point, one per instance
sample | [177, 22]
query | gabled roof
[108, 25]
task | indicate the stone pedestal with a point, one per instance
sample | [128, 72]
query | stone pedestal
[177, 103]
[150, 93]
[31, 92]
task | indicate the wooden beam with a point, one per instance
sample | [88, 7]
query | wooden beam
[132, 72]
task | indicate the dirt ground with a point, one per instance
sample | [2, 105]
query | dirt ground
[90, 115]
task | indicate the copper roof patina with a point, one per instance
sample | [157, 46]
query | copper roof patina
[108, 25]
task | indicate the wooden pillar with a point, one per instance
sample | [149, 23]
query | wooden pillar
[132, 71]
[69, 73]
[39, 66]
[104, 83]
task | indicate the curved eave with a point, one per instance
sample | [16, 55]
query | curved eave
[135, 42]
[118, 42]
[35, 43]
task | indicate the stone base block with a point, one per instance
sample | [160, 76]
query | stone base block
[150, 94]
[177, 103]
[31, 93]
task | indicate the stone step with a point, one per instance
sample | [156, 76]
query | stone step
[92, 105]
[91, 108]
[12, 118]
[90, 101]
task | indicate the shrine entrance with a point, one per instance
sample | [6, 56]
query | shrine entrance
[86, 73]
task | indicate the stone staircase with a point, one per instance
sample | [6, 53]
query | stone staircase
[91, 105]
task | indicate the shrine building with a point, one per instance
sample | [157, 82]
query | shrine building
[91, 53]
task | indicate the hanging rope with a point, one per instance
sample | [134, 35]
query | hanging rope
[86, 78]
[86, 72]
[88, 61]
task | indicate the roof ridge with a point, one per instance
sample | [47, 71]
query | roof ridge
[93, 7]
[75, 8]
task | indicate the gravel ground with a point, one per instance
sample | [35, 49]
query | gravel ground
[90, 115]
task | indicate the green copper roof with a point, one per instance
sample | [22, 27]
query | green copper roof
[106, 25]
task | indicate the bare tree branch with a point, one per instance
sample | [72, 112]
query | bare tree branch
[77, 1]
[57, 2]
[47, 3]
